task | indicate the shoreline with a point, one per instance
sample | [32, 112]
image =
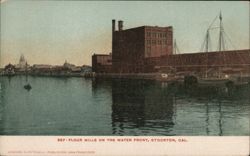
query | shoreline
[159, 77]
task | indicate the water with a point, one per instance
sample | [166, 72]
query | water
[78, 106]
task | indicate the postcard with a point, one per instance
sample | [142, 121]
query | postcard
[132, 78]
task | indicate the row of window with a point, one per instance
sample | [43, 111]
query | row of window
[149, 50]
[158, 42]
[157, 34]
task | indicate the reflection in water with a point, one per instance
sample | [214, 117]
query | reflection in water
[77, 106]
[141, 105]
[207, 118]
[220, 119]
[152, 108]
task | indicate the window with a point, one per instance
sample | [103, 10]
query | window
[148, 42]
[154, 34]
[169, 41]
[165, 42]
[148, 51]
[148, 34]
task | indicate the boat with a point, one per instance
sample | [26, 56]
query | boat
[27, 87]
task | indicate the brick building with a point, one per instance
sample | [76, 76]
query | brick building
[102, 63]
[227, 61]
[149, 49]
[130, 47]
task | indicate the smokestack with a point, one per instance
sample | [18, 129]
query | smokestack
[113, 25]
[120, 25]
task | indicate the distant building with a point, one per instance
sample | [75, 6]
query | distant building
[68, 65]
[41, 66]
[71, 67]
[86, 69]
[102, 63]
[76, 69]
[22, 63]
[41, 69]
[9, 69]
[130, 47]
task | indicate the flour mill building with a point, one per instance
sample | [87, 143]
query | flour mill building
[150, 49]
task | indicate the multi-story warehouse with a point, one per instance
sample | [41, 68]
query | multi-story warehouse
[150, 49]
[102, 63]
[130, 47]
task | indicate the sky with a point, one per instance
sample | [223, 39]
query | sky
[50, 32]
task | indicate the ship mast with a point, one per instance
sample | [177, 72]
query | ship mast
[221, 37]
[176, 51]
[222, 46]
[207, 46]
[221, 42]
[207, 38]
[206, 50]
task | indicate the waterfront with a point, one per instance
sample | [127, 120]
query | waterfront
[78, 106]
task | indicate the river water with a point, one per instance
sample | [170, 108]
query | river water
[78, 106]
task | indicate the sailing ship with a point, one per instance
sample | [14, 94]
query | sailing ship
[220, 75]
[211, 69]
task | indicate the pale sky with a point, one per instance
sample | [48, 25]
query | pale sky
[50, 32]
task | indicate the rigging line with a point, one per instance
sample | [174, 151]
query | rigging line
[222, 43]
[210, 27]
[213, 22]
[178, 50]
[210, 41]
[227, 36]
[203, 44]
[174, 46]
[241, 58]
[206, 46]
[223, 51]
[209, 47]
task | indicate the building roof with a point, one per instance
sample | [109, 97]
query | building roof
[145, 26]
[101, 55]
[213, 52]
